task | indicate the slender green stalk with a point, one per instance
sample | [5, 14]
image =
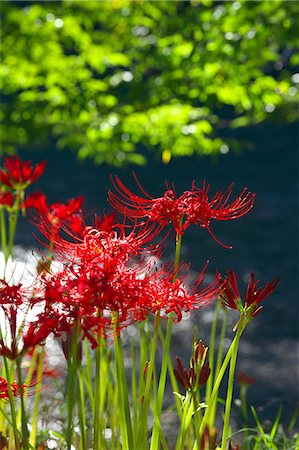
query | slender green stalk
[187, 408]
[86, 373]
[142, 431]
[218, 366]
[25, 436]
[243, 395]
[81, 409]
[3, 236]
[221, 342]
[197, 417]
[166, 348]
[71, 384]
[212, 352]
[162, 383]
[28, 378]
[33, 432]
[125, 417]
[12, 404]
[100, 396]
[219, 378]
[134, 387]
[174, 384]
[13, 220]
[230, 388]
[96, 412]
[178, 246]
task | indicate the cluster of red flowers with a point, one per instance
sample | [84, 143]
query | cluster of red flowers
[108, 276]
[107, 282]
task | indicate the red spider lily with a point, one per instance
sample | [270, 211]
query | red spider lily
[181, 295]
[50, 218]
[106, 223]
[81, 242]
[6, 199]
[198, 374]
[243, 379]
[91, 293]
[18, 174]
[54, 212]
[11, 294]
[15, 388]
[192, 207]
[14, 300]
[28, 337]
[94, 289]
[254, 296]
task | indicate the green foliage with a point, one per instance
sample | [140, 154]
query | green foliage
[114, 79]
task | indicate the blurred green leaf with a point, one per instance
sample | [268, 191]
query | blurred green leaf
[118, 79]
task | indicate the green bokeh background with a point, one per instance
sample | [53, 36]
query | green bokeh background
[120, 81]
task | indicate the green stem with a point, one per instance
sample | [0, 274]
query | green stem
[197, 418]
[25, 436]
[3, 236]
[12, 405]
[243, 395]
[217, 382]
[230, 386]
[13, 219]
[100, 389]
[212, 352]
[96, 413]
[174, 384]
[33, 432]
[187, 408]
[162, 383]
[134, 387]
[166, 348]
[125, 417]
[72, 365]
[178, 246]
[81, 408]
[142, 431]
[217, 369]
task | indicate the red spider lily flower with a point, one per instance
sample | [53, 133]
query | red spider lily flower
[181, 295]
[50, 218]
[6, 199]
[18, 174]
[254, 296]
[56, 212]
[22, 336]
[106, 223]
[28, 337]
[37, 201]
[243, 379]
[15, 388]
[198, 374]
[11, 294]
[92, 244]
[192, 207]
